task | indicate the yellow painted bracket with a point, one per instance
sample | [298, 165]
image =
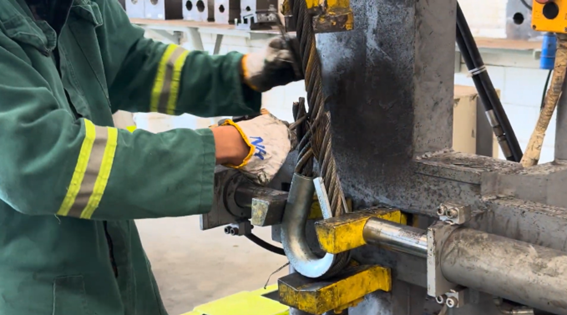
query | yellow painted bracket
[346, 290]
[336, 16]
[328, 15]
[550, 16]
[340, 234]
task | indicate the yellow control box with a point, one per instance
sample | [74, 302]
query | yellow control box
[549, 16]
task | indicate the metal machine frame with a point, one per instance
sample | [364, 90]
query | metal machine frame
[470, 228]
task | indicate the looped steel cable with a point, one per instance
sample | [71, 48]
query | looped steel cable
[315, 142]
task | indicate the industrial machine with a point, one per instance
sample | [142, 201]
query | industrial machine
[375, 212]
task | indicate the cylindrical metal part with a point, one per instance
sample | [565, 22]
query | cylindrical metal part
[293, 238]
[518, 271]
[395, 236]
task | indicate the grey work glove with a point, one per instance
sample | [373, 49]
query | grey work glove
[269, 140]
[273, 66]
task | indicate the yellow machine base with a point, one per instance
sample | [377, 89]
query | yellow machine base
[346, 290]
[243, 303]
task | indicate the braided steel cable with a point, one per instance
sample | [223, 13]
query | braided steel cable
[316, 143]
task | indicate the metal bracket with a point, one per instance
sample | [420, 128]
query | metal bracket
[453, 213]
[345, 290]
[437, 285]
[233, 197]
[457, 298]
[239, 229]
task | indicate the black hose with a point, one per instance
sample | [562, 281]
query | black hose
[493, 107]
[265, 245]
[545, 89]
[526, 4]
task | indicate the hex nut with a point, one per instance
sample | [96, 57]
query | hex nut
[452, 302]
[453, 213]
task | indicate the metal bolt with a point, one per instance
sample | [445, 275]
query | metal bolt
[453, 213]
[452, 302]
[441, 299]
[234, 231]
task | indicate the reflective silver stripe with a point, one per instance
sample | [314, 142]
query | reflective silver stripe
[169, 70]
[91, 173]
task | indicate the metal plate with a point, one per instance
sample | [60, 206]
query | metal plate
[135, 9]
[436, 235]
[163, 9]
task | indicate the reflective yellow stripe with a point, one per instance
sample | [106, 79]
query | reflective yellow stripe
[176, 79]
[160, 78]
[80, 168]
[103, 174]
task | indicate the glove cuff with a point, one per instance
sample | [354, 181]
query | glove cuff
[230, 122]
[246, 72]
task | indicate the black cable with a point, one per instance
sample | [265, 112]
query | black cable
[545, 89]
[526, 4]
[265, 245]
[493, 107]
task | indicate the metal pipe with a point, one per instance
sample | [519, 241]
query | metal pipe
[293, 237]
[395, 236]
[518, 271]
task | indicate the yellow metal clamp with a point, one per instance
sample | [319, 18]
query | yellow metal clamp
[346, 290]
[340, 234]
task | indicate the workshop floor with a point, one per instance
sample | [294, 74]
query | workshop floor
[193, 267]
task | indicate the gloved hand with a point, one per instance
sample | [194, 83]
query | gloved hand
[269, 142]
[273, 66]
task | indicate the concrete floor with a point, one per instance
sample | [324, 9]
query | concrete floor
[193, 267]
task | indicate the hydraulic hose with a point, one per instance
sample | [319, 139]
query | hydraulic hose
[493, 107]
[265, 245]
[533, 150]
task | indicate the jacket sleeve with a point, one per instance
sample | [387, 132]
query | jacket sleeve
[148, 76]
[54, 164]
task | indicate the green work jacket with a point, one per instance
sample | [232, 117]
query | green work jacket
[71, 183]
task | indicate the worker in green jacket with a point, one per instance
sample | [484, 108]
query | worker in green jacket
[71, 183]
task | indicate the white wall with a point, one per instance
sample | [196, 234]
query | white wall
[521, 85]
[486, 18]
